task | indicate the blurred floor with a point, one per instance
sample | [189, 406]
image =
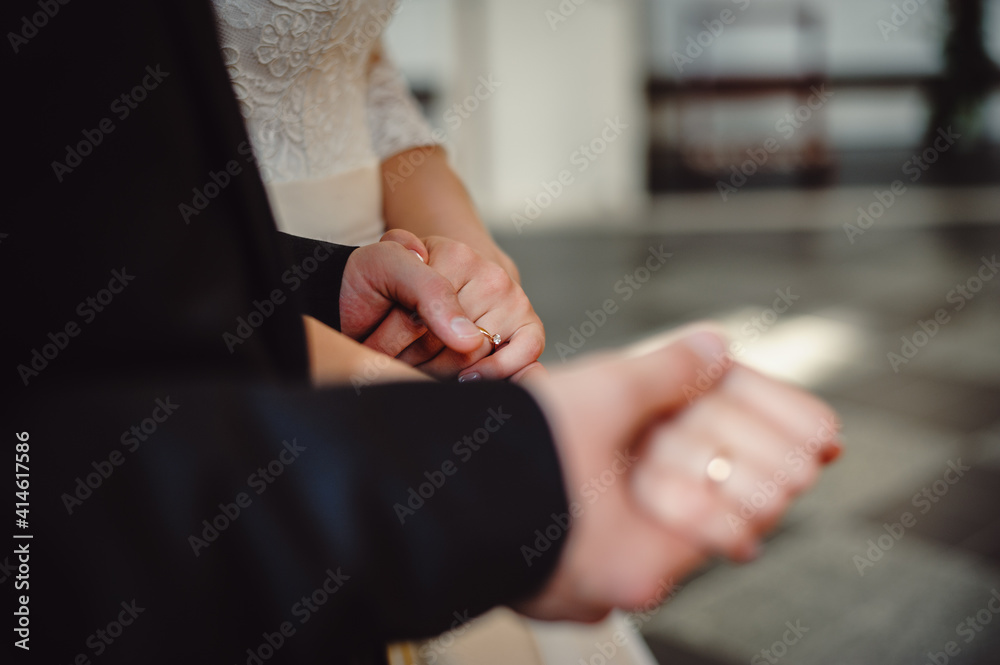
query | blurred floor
[930, 585]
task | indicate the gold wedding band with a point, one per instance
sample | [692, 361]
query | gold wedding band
[494, 338]
[719, 469]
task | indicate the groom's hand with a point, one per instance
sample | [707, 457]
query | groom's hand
[635, 437]
[382, 278]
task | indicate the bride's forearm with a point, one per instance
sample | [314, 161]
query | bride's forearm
[423, 195]
[336, 359]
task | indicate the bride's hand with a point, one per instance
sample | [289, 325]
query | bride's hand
[490, 297]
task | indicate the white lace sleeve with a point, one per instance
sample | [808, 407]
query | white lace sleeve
[394, 118]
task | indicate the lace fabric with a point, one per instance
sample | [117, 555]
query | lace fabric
[318, 94]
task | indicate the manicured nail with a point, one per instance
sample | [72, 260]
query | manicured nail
[418, 255]
[832, 452]
[471, 376]
[706, 344]
[464, 328]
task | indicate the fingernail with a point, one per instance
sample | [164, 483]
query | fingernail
[832, 452]
[471, 376]
[418, 255]
[706, 344]
[464, 328]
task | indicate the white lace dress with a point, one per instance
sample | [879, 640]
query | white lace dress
[323, 105]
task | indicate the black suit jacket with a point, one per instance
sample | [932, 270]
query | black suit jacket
[185, 495]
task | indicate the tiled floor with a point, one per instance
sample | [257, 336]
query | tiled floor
[901, 429]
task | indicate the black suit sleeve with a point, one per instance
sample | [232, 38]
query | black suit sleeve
[228, 512]
[320, 295]
[188, 495]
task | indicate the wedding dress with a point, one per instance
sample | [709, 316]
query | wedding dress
[324, 106]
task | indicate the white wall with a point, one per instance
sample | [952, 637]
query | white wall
[421, 39]
[560, 82]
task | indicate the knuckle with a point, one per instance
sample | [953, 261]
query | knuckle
[700, 513]
[737, 544]
[438, 288]
[495, 279]
[389, 249]
[401, 338]
[805, 478]
[774, 508]
[724, 539]
[534, 345]
[822, 413]
[642, 596]
[685, 363]
[462, 254]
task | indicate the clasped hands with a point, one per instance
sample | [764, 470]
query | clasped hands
[421, 301]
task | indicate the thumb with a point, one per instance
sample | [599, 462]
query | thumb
[419, 288]
[675, 373]
[616, 396]
[407, 240]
